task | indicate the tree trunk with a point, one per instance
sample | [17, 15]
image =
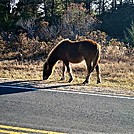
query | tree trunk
[45, 8]
[88, 6]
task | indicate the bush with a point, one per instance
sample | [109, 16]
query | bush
[76, 21]
[129, 35]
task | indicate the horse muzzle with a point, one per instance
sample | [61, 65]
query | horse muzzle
[45, 77]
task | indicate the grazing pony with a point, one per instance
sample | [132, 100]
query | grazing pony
[74, 52]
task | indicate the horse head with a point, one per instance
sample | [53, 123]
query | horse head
[47, 70]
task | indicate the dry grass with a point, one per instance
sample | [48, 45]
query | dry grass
[16, 70]
[117, 75]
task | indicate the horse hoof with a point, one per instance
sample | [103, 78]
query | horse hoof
[85, 82]
[70, 80]
[61, 79]
[98, 82]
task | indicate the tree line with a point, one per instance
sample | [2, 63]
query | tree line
[49, 10]
[47, 19]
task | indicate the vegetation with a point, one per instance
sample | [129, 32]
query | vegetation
[44, 19]
[130, 35]
[117, 22]
[117, 68]
[30, 29]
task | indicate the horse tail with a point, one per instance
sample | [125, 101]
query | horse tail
[97, 56]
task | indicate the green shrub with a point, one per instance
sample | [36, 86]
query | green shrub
[129, 35]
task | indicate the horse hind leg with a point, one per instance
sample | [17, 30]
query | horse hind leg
[98, 74]
[90, 69]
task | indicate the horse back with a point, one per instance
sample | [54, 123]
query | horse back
[78, 51]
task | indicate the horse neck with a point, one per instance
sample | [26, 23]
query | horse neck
[53, 58]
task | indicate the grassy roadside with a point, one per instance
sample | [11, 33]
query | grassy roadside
[117, 75]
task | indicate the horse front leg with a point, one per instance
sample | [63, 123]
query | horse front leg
[63, 72]
[87, 79]
[69, 71]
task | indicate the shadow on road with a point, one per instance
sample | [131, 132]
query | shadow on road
[11, 87]
[8, 90]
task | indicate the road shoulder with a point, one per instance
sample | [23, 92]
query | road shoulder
[62, 86]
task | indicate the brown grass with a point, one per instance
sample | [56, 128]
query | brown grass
[117, 75]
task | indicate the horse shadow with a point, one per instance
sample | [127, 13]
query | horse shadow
[20, 86]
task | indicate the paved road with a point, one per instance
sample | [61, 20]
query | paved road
[68, 112]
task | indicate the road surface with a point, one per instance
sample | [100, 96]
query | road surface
[64, 111]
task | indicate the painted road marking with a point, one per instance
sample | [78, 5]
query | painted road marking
[71, 92]
[10, 132]
[21, 130]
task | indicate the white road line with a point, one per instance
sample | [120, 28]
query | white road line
[71, 92]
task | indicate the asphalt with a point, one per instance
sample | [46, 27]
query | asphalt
[68, 112]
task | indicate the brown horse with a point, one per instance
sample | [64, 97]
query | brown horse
[74, 52]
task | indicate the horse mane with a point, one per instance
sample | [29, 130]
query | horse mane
[56, 47]
[63, 41]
